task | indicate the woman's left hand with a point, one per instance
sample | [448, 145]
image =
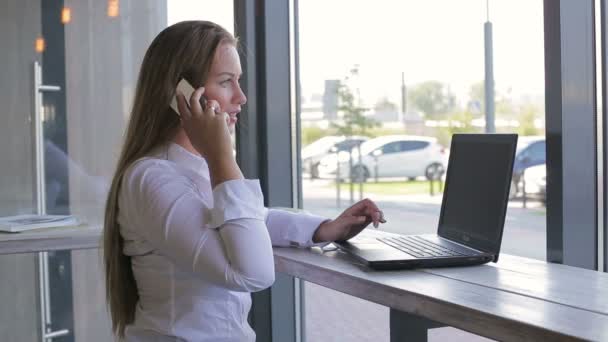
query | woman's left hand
[350, 223]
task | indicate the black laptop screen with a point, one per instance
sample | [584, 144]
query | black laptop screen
[477, 189]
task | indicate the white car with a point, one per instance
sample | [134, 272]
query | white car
[535, 181]
[389, 156]
[530, 152]
[315, 151]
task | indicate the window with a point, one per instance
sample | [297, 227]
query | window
[537, 152]
[423, 75]
[413, 145]
[393, 147]
[348, 144]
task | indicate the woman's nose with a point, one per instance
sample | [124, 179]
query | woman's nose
[242, 99]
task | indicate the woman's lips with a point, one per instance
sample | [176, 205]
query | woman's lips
[232, 119]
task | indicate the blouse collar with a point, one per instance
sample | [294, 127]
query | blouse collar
[187, 159]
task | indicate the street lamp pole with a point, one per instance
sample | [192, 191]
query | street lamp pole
[489, 73]
[403, 100]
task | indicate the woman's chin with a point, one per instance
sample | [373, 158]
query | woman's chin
[231, 121]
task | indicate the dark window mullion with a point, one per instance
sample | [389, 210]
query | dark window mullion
[571, 131]
[264, 144]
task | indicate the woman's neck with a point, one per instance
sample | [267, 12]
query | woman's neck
[181, 138]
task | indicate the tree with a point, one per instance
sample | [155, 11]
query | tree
[527, 116]
[385, 105]
[432, 98]
[310, 134]
[461, 122]
[354, 120]
[477, 98]
[502, 104]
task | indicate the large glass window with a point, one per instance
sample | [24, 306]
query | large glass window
[69, 70]
[405, 76]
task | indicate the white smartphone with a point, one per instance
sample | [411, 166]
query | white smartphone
[185, 88]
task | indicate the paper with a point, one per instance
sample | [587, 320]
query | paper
[14, 224]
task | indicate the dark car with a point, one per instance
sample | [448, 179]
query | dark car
[531, 151]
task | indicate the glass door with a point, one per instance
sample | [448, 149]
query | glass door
[33, 112]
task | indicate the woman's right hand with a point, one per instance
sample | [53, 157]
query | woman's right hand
[209, 135]
[207, 130]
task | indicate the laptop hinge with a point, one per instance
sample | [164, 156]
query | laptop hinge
[463, 245]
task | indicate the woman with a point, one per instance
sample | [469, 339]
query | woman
[186, 237]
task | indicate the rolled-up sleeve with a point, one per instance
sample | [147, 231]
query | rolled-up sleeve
[293, 229]
[227, 242]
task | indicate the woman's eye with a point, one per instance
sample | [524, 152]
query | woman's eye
[225, 82]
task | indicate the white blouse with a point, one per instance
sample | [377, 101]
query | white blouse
[196, 253]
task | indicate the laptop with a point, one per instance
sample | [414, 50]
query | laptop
[472, 216]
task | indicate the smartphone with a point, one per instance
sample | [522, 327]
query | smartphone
[186, 88]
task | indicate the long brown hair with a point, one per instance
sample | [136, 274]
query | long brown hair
[185, 49]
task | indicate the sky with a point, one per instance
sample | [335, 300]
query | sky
[219, 11]
[425, 39]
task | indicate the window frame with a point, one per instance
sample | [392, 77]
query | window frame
[571, 133]
[265, 138]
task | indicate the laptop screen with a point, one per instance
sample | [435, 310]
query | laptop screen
[477, 189]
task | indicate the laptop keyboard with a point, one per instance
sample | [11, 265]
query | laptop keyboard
[419, 247]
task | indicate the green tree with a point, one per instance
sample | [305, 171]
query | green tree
[477, 96]
[354, 122]
[502, 104]
[460, 122]
[527, 116]
[310, 134]
[385, 105]
[432, 98]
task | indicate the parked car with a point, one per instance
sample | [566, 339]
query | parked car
[389, 156]
[535, 182]
[314, 152]
[531, 151]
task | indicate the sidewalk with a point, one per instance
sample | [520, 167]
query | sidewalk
[326, 189]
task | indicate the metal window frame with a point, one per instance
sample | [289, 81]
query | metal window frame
[571, 132]
[603, 75]
[264, 141]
